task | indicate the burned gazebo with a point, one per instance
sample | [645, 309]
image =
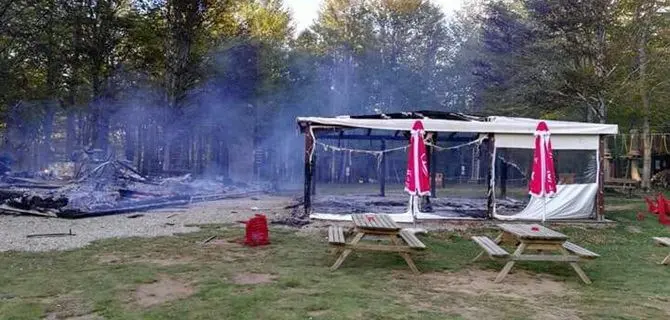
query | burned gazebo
[479, 166]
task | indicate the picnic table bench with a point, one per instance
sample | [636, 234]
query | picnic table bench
[663, 242]
[402, 242]
[625, 185]
[535, 238]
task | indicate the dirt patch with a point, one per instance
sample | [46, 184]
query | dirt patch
[317, 313]
[622, 207]
[109, 259]
[91, 316]
[162, 291]
[518, 285]
[633, 229]
[540, 295]
[253, 278]
[166, 262]
[67, 306]
[230, 243]
[163, 262]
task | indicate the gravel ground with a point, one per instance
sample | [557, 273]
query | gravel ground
[15, 229]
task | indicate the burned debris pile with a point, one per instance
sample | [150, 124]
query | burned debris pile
[108, 187]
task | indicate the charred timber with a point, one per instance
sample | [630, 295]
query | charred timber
[386, 137]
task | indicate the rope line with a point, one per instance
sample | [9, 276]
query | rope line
[327, 147]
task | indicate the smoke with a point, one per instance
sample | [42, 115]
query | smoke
[237, 120]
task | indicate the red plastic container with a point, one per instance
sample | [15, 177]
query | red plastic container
[256, 233]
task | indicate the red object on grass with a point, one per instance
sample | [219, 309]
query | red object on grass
[640, 216]
[543, 179]
[371, 218]
[417, 181]
[663, 203]
[256, 232]
[651, 206]
[663, 207]
[535, 228]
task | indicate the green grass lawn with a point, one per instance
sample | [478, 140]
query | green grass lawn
[179, 278]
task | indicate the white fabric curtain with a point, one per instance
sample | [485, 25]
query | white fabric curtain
[572, 201]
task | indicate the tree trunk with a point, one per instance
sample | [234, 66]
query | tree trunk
[44, 155]
[601, 43]
[129, 145]
[642, 15]
[102, 128]
[167, 152]
[84, 137]
[70, 128]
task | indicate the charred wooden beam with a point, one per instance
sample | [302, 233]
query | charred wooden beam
[382, 171]
[59, 234]
[491, 194]
[307, 193]
[503, 179]
[314, 172]
[600, 196]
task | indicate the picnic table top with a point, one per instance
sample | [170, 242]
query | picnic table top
[374, 221]
[532, 232]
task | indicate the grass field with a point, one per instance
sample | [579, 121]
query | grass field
[180, 278]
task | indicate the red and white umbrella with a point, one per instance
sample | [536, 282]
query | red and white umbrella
[542, 182]
[417, 181]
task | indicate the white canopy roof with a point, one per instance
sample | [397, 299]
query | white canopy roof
[505, 125]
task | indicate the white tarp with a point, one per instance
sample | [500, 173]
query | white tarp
[526, 125]
[558, 142]
[572, 201]
[494, 125]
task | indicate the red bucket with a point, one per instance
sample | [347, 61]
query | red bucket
[257, 231]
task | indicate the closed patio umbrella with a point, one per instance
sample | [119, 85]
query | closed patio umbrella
[542, 182]
[417, 181]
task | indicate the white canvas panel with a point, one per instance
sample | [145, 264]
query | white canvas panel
[558, 142]
[572, 201]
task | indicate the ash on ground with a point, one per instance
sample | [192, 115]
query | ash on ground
[398, 203]
[110, 187]
[35, 233]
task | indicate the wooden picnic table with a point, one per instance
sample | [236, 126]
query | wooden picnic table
[533, 237]
[381, 225]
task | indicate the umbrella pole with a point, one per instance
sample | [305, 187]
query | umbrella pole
[544, 212]
[414, 206]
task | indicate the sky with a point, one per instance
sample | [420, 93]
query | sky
[305, 11]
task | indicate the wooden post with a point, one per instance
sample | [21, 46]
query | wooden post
[382, 171]
[600, 196]
[491, 193]
[503, 179]
[432, 166]
[314, 173]
[308, 171]
[608, 161]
